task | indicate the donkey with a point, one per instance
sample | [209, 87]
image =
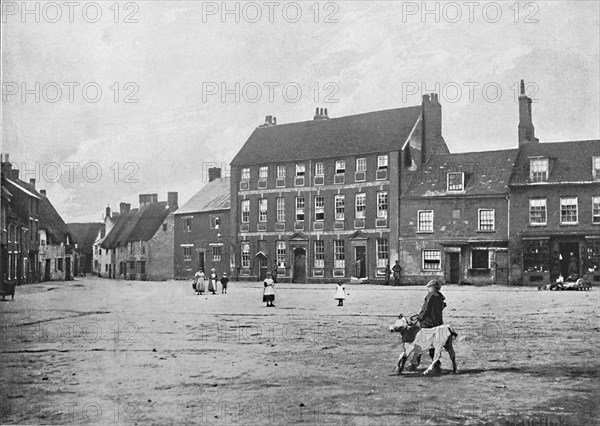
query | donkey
[417, 340]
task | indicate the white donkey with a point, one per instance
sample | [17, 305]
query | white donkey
[417, 340]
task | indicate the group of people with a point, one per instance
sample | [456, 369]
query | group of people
[200, 278]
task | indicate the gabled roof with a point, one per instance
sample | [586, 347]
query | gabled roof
[212, 197]
[569, 161]
[85, 234]
[137, 225]
[24, 187]
[372, 132]
[486, 173]
[51, 221]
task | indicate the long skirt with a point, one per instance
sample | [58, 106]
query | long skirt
[200, 286]
[268, 298]
[212, 285]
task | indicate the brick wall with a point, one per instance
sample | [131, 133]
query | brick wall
[160, 264]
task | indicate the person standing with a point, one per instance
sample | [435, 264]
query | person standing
[397, 269]
[340, 294]
[269, 291]
[224, 282]
[388, 272]
[431, 316]
[199, 280]
[212, 281]
[573, 270]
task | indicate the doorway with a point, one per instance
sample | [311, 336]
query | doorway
[360, 258]
[569, 262]
[201, 261]
[502, 267]
[262, 265]
[299, 265]
[453, 267]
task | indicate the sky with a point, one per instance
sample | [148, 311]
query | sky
[102, 101]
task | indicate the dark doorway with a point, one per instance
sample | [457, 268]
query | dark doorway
[453, 267]
[360, 261]
[502, 267]
[569, 263]
[47, 271]
[201, 260]
[299, 265]
[262, 265]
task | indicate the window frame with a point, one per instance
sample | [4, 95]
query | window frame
[596, 210]
[281, 171]
[362, 213]
[245, 254]
[462, 182]
[300, 208]
[545, 211]
[340, 170]
[340, 208]
[382, 165]
[300, 169]
[187, 253]
[263, 172]
[438, 257]
[281, 254]
[319, 254]
[536, 176]
[245, 174]
[319, 210]
[245, 210]
[217, 253]
[420, 222]
[339, 253]
[319, 168]
[480, 228]
[576, 221]
[280, 207]
[383, 252]
[262, 209]
[361, 164]
[487, 262]
[383, 213]
[596, 167]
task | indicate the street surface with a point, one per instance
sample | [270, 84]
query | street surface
[105, 351]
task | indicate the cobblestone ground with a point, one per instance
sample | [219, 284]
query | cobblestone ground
[104, 351]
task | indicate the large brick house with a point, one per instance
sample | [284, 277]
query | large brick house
[139, 246]
[454, 219]
[555, 212]
[319, 199]
[202, 233]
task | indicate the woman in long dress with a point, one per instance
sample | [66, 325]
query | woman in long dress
[199, 277]
[269, 291]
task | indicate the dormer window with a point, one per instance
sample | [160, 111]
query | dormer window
[538, 169]
[456, 181]
[596, 168]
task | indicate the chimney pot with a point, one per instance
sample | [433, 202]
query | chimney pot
[317, 111]
[274, 120]
[43, 192]
[326, 111]
[32, 182]
[523, 87]
[425, 98]
[107, 211]
[214, 173]
[172, 200]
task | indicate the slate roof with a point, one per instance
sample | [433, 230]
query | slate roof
[569, 161]
[486, 173]
[372, 132]
[85, 235]
[54, 225]
[137, 225]
[213, 196]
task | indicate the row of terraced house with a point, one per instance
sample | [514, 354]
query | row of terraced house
[344, 198]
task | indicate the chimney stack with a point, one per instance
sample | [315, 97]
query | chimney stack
[32, 182]
[214, 173]
[172, 200]
[124, 208]
[43, 192]
[107, 211]
[431, 121]
[320, 114]
[269, 121]
[526, 129]
[148, 199]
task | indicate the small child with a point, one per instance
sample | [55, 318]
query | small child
[340, 294]
[224, 281]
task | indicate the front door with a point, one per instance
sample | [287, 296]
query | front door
[47, 271]
[360, 261]
[502, 267]
[263, 266]
[569, 264]
[201, 260]
[299, 265]
[453, 267]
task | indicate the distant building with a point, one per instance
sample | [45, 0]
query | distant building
[202, 229]
[139, 246]
[319, 199]
[20, 226]
[57, 253]
[86, 234]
